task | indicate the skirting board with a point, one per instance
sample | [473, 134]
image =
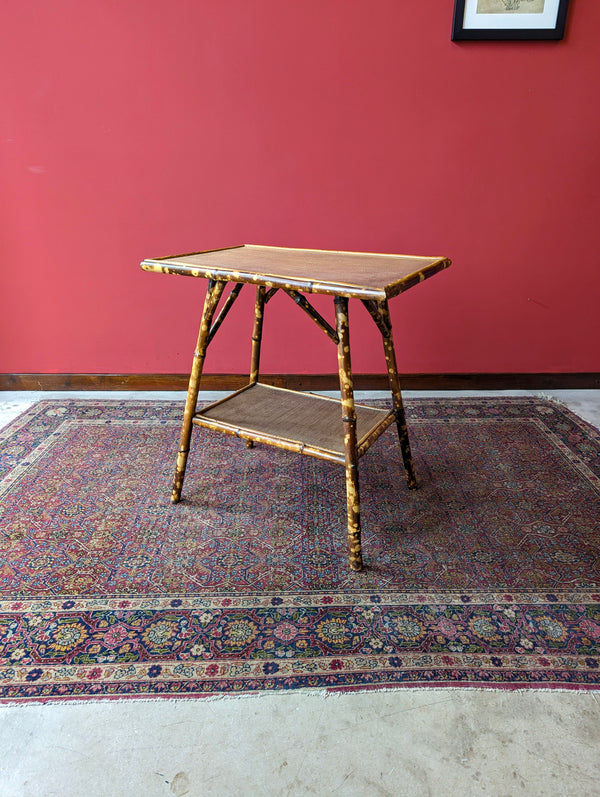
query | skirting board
[546, 381]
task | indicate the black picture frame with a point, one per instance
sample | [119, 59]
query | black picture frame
[471, 33]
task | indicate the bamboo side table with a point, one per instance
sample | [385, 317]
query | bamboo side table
[301, 422]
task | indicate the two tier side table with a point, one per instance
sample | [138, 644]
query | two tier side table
[339, 431]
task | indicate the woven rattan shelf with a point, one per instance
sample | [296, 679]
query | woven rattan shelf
[338, 431]
[294, 421]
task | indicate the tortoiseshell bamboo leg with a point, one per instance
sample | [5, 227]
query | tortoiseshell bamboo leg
[390, 358]
[349, 421]
[213, 294]
[259, 310]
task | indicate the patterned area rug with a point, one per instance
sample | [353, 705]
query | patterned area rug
[489, 574]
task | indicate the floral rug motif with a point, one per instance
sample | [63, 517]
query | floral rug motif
[489, 574]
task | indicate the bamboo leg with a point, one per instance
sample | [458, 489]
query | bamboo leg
[390, 357]
[259, 307]
[213, 294]
[259, 310]
[349, 421]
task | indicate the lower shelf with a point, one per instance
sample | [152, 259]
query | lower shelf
[294, 421]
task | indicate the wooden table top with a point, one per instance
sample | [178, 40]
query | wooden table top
[351, 274]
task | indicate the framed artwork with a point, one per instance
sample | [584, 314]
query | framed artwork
[478, 20]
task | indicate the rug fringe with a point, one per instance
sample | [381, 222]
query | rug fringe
[553, 400]
[323, 694]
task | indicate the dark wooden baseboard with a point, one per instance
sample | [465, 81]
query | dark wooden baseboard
[568, 381]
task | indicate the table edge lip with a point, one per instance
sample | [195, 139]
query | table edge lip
[169, 265]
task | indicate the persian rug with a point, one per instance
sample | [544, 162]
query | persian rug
[488, 575]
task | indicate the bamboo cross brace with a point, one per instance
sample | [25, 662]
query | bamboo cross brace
[303, 302]
[225, 309]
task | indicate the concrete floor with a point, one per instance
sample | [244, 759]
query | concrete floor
[398, 742]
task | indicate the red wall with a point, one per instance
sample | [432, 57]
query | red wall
[132, 129]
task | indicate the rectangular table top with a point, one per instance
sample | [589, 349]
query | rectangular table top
[351, 274]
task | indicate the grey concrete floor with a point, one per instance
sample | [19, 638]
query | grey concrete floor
[396, 742]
